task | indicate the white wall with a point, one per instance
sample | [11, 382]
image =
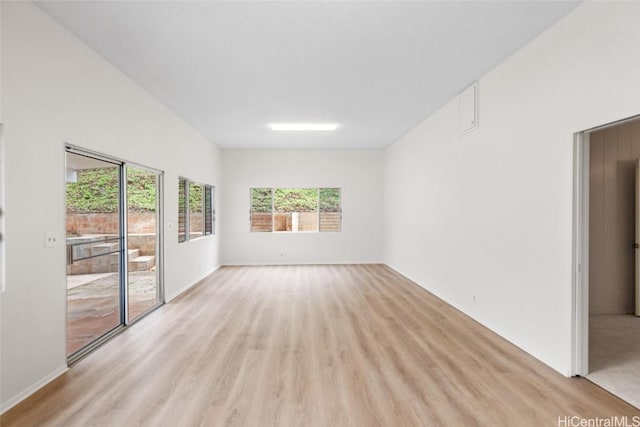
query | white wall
[56, 90]
[357, 173]
[490, 213]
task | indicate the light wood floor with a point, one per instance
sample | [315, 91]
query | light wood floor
[311, 346]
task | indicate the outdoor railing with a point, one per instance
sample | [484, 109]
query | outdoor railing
[72, 257]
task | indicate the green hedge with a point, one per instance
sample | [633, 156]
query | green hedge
[295, 199]
[96, 190]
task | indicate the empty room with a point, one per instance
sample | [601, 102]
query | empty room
[319, 213]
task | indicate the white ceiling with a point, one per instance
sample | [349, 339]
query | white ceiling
[377, 68]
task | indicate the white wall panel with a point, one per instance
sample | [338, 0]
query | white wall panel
[55, 90]
[494, 215]
[357, 173]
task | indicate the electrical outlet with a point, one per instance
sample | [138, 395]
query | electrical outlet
[52, 239]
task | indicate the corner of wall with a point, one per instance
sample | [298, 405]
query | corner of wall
[7, 405]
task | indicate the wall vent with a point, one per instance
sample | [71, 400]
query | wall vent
[468, 109]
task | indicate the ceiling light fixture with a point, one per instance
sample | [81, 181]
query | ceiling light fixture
[303, 126]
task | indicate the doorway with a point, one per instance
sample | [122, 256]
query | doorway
[114, 247]
[607, 329]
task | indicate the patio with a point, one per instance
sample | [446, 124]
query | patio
[93, 303]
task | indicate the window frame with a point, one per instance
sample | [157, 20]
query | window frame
[209, 209]
[318, 210]
[183, 194]
[208, 213]
[196, 211]
[251, 210]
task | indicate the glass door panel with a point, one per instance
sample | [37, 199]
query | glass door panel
[94, 243]
[143, 254]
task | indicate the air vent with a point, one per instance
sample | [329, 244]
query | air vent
[468, 109]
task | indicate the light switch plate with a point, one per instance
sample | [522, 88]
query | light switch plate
[51, 239]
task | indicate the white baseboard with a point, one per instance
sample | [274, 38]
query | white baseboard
[32, 389]
[185, 288]
[492, 327]
[5, 406]
[261, 264]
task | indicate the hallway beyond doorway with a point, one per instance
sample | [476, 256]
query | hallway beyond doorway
[614, 354]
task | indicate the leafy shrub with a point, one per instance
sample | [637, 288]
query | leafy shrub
[295, 200]
[261, 200]
[96, 190]
[195, 197]
[329, 199]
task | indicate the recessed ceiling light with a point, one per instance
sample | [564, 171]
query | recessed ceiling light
[303, 126]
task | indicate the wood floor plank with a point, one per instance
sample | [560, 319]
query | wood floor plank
[337, 345]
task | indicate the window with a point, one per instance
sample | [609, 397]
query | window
[261, 209]
[330, 216]
[209, 210]
[196, 215]
[295, 209]
[182, 209]
[196, 210]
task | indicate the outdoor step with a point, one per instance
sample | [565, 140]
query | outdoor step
[102, 248]
[131, 255]
[142, 263]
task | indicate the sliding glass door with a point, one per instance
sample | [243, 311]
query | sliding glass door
[94, 242]
[143, 240]
[114, 247]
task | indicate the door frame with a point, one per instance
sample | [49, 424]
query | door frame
[159, 231]
[124, 245]
[580, 270]
[2, 212]
[580, 248]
